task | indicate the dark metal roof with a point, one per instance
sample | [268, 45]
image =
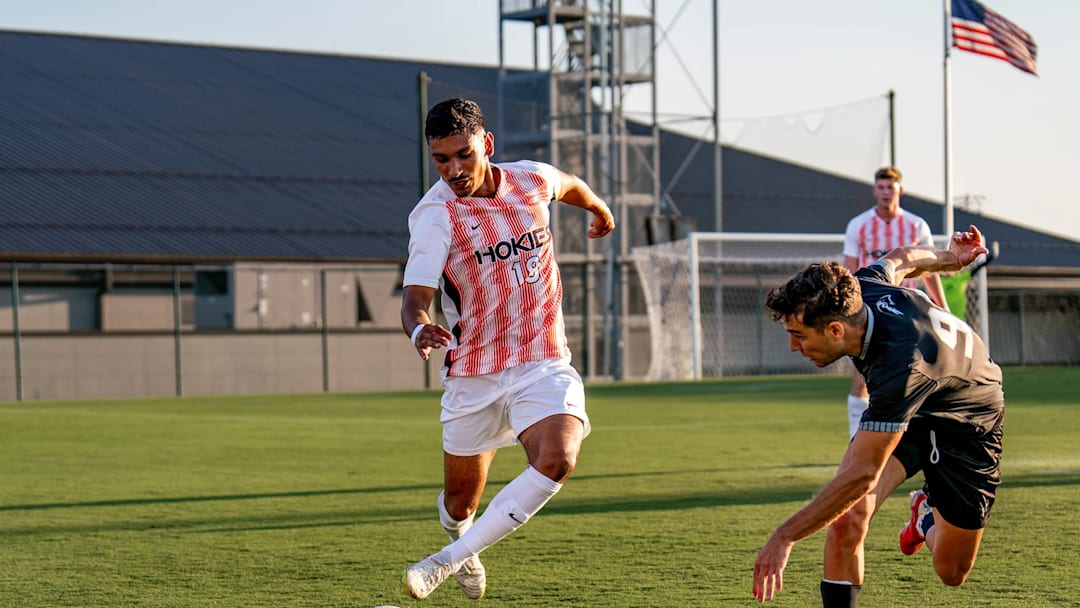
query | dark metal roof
[122, 150]
[118, 149]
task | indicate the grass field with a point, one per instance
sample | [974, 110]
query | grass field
[321, 500]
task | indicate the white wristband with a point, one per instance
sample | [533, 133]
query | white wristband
[416, 332]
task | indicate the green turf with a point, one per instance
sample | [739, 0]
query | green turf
[321, 500]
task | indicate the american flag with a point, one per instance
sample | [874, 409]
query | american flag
[978, 29]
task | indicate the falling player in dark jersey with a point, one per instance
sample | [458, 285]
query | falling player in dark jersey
[936, 405]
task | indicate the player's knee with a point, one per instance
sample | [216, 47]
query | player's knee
[557, 466]
[953, 578]
[460, 505]
[849, 529]
[952, 574]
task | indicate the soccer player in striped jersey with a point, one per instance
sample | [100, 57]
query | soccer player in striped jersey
[482, 236]
[872, 234]
[936, 405]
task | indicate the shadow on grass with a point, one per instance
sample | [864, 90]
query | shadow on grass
[226, 524]
[775, 493]
[1041, 479]
[124, 502]
[1034, 479]
[680, 502]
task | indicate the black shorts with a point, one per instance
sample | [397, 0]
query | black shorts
[962, 479]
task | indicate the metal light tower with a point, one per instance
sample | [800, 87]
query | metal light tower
[567, 109]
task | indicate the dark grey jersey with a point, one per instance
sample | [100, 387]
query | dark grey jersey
[919, 361]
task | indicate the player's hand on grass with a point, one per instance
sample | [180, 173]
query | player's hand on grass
[769, 568]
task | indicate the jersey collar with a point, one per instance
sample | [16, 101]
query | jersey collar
[869, 332]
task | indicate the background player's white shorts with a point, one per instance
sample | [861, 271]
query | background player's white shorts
[482, 413]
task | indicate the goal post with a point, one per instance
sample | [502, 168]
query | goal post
[705, 294]
[704, 298]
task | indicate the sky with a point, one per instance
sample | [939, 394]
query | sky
[1014, 135]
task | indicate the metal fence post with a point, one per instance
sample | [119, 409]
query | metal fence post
[325, 334]
[16, 334]
[177, 358]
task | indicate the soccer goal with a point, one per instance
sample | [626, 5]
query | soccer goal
[705, 297]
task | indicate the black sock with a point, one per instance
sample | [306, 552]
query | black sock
[839, 595]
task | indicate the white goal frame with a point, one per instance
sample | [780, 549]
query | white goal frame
[736, 261]
[696, 238]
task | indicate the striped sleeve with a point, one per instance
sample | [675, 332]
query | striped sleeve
[429, 240]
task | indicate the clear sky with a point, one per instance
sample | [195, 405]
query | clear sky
[1015, 136]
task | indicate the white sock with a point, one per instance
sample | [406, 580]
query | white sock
[454, 528]
[855, 407]
[509, 510]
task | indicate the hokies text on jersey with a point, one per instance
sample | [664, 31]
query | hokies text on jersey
[504, 250]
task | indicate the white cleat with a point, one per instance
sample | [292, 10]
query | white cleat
[423, 577]
[472, 578]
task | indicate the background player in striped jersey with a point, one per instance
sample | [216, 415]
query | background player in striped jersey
[872, 234]
[936, 405]
[482, 236]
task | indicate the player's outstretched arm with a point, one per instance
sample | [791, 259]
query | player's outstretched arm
[964, 248]
[858, 474]
[574, 191]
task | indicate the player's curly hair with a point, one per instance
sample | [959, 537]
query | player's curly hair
[821, 293]
[453, 116]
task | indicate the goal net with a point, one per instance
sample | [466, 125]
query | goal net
[705, 297]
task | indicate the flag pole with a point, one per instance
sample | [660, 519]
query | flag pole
[948, 211]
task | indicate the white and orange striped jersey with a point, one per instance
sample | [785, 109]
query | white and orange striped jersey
[494, 260]
[868, 237]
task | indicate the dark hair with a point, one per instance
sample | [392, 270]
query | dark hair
[453, 116]
[888, 173]
[822, 293]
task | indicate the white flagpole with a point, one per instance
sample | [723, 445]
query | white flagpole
[948, 220]
[983, 298]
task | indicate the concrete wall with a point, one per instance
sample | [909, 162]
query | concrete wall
[108, 366]
[143, 364]
[52, 308]
[143, 310]
[286, 296]
[262, 297]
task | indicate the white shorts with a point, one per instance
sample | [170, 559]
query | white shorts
[483, 413]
